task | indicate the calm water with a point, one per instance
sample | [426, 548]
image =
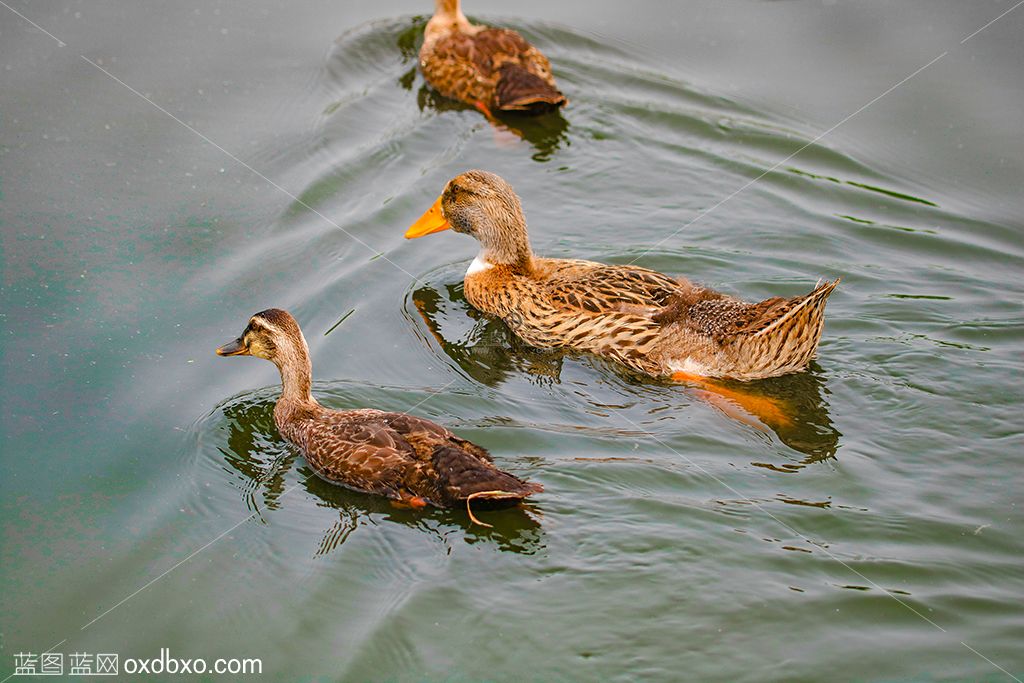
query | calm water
[878, 538]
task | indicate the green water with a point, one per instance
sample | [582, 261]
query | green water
[876, 539]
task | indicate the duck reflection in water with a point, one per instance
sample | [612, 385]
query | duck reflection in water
[547, 133]
[267, 468]
[793, 407]
[487, 351]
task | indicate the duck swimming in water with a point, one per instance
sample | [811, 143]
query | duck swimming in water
[653, 323]
[405, 458]
[492, 69]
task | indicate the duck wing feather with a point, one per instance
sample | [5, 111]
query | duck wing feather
[450, 65]
[401, 456]
[600, 288]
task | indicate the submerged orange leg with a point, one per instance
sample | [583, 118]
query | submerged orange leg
[485, 110]
[414, 502]
[504, 135]
[431, 325]
[768, 410]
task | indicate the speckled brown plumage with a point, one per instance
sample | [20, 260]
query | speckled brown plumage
[390, 454]
[493, 68]
[653, 323]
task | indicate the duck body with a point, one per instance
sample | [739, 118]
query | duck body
[650, 322]
[493, 69]
[400, 456]
[653, 323]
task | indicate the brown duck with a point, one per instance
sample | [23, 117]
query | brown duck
[655, 324]
[492, 69]
[402, 457]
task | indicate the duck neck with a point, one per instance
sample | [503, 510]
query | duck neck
[447, 8]
[296, 374]
[508, 246]
[449, 12]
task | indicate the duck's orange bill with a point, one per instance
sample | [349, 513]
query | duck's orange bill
[431, 221]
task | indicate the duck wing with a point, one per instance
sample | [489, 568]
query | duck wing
[361, 452]
[762, 339]
[451, 66]
[523, 78]
[403, 456]
[495, 47]
[455, 468]
[721, 317]
[418, 430]
[601, 288]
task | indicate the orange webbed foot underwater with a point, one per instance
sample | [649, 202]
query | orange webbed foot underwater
[739, 404]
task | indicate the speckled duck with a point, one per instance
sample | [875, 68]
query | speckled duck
[402, 457]
[653, 323]
[492, 69]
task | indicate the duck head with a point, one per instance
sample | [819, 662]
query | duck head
[484, 206]
[274, 335]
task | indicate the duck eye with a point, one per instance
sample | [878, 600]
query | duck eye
[252, 330]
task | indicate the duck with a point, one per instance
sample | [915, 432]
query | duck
[657, 325]
[492, 69]
[405, 458]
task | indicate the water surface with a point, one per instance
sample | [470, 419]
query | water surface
[877, 537]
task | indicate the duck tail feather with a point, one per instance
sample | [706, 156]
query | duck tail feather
[519, 89]
[464, 475]
[808, 310]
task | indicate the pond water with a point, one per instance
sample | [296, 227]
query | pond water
[148, 502]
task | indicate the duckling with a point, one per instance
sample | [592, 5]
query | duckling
[653, 323]
[405, 458]
[492, 69]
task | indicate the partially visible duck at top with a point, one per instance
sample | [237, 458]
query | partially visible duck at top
[492, 69]
[658, 325]
[405, 458]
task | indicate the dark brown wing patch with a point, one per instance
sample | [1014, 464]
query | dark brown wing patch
[363, 455]
[519, 89]
[462, 475]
